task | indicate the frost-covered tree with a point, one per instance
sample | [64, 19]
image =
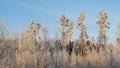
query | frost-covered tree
[25, 46]
[66, 30]
[80, 25]
[118, 33]
[102, 25]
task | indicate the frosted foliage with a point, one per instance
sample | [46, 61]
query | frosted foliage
[102, 25]
[81, 26]
[26, 49]
[26, 45]
[66, 30]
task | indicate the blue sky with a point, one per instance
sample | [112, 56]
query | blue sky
[47, 12]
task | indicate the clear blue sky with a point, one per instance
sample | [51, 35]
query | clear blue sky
[47, 12]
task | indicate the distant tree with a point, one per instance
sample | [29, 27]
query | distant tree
[118, 33]
[66, 30]
[26, 44]
[5, 49]
[80, 25]
[80, 43]
[3, 31]
[102, 25]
